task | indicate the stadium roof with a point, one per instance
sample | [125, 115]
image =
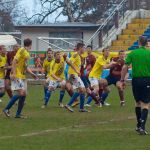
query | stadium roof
[83, 25]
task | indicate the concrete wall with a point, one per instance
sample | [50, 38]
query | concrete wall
[33, 34]
[44, 32]
[87, 34]
[144, 13]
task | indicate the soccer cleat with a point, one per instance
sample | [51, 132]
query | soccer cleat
[137, 129]
[43, 106]
[61, 105]
[106, 104]
[87, 105]
[84, 110]
[69, 108]
[21, 117]
[6, 112]
[76, 103]
[143, 132]
[99, 105]
[122, 103]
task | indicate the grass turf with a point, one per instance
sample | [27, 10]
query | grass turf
[54, 128]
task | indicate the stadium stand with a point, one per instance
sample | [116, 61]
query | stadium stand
[128, 39]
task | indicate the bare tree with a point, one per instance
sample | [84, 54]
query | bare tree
[6, 8]
[45, 9]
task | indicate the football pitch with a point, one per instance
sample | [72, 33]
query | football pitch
[54, 128]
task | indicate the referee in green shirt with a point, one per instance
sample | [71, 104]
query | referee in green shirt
[140, 60]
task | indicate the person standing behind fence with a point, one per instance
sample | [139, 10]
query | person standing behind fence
[140, 60]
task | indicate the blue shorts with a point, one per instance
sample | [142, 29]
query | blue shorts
[112, 80]
[85, 81]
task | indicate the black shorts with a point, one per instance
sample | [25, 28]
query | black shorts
[112, 80]
[141, 89]
[7, 77]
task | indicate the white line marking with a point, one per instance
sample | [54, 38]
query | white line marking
[74, 128]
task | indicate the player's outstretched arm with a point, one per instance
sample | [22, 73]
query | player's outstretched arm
[107, 66]
[31, 73]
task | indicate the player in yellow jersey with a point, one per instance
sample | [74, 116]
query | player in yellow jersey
[57, 77]
[75, 79]
[103, 62]
[46, 67]
[18, 77]
[3, 60]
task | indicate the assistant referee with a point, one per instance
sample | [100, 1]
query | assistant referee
[140, 60]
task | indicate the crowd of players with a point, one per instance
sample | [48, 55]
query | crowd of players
[83, 76]
[78, 73]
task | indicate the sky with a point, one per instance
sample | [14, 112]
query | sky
[30, 7]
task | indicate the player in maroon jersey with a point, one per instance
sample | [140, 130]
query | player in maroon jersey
[114, 78]
[10, 57]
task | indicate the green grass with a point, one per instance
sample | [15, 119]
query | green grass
[107, 128]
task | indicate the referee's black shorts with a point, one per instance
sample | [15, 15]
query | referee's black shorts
[141, 89]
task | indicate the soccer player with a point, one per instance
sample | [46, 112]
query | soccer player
[87, 66]
[140, 60]
[75, 79]
[101, 63]
[3, 60]
[10, 57]
[46, 67]
[57, 78]
[18, 77]
[114, 78]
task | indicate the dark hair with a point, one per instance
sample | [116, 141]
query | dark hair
[105, 49]
[143, 40]
[79, 45]
[121, 51]
[89, 46]
[56, 53]
[27, 42]
[49, 50]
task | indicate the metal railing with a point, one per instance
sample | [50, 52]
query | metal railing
[112, 21]
[64, 40]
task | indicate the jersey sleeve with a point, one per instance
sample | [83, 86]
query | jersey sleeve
[128, 59]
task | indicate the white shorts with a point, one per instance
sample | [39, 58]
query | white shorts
[19, 84]
[2, 83]
[94, 82]
[76, 82]
[56, 84]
